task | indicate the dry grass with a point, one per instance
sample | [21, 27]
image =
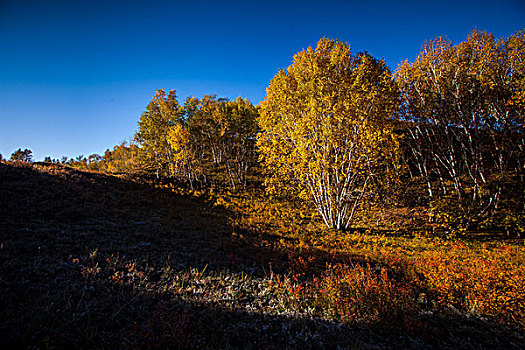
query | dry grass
[95, 261]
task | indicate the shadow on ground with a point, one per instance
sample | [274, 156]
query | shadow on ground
[95, 261]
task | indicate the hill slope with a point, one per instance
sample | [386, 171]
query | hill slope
[96, 261]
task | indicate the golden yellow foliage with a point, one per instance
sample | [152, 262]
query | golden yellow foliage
[463, 104]
[184, 159]
[325, 131]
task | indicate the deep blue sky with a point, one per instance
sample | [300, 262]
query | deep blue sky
[76, 75]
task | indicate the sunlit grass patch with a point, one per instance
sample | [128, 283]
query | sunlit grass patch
[480, 278]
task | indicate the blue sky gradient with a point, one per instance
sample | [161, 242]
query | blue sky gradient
[76, 75]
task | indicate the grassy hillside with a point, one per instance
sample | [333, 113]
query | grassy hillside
[96, 261]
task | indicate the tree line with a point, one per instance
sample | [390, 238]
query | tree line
[203, 140]
[340, 130]
[463, 107]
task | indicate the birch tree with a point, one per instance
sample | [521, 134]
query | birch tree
[162, 112]
[465, 111]
[215, 139]
[325, 131]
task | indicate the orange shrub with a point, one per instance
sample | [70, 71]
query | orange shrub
[485, 279]
[361, 293]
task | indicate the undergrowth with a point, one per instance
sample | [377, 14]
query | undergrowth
[95, 261]
[477, 277]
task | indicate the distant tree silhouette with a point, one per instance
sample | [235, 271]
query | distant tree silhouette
[24, 156]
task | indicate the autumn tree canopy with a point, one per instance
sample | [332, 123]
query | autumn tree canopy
[325, 131]
[464, 104]
[216, 137]
[160, 115]
[203, 139]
